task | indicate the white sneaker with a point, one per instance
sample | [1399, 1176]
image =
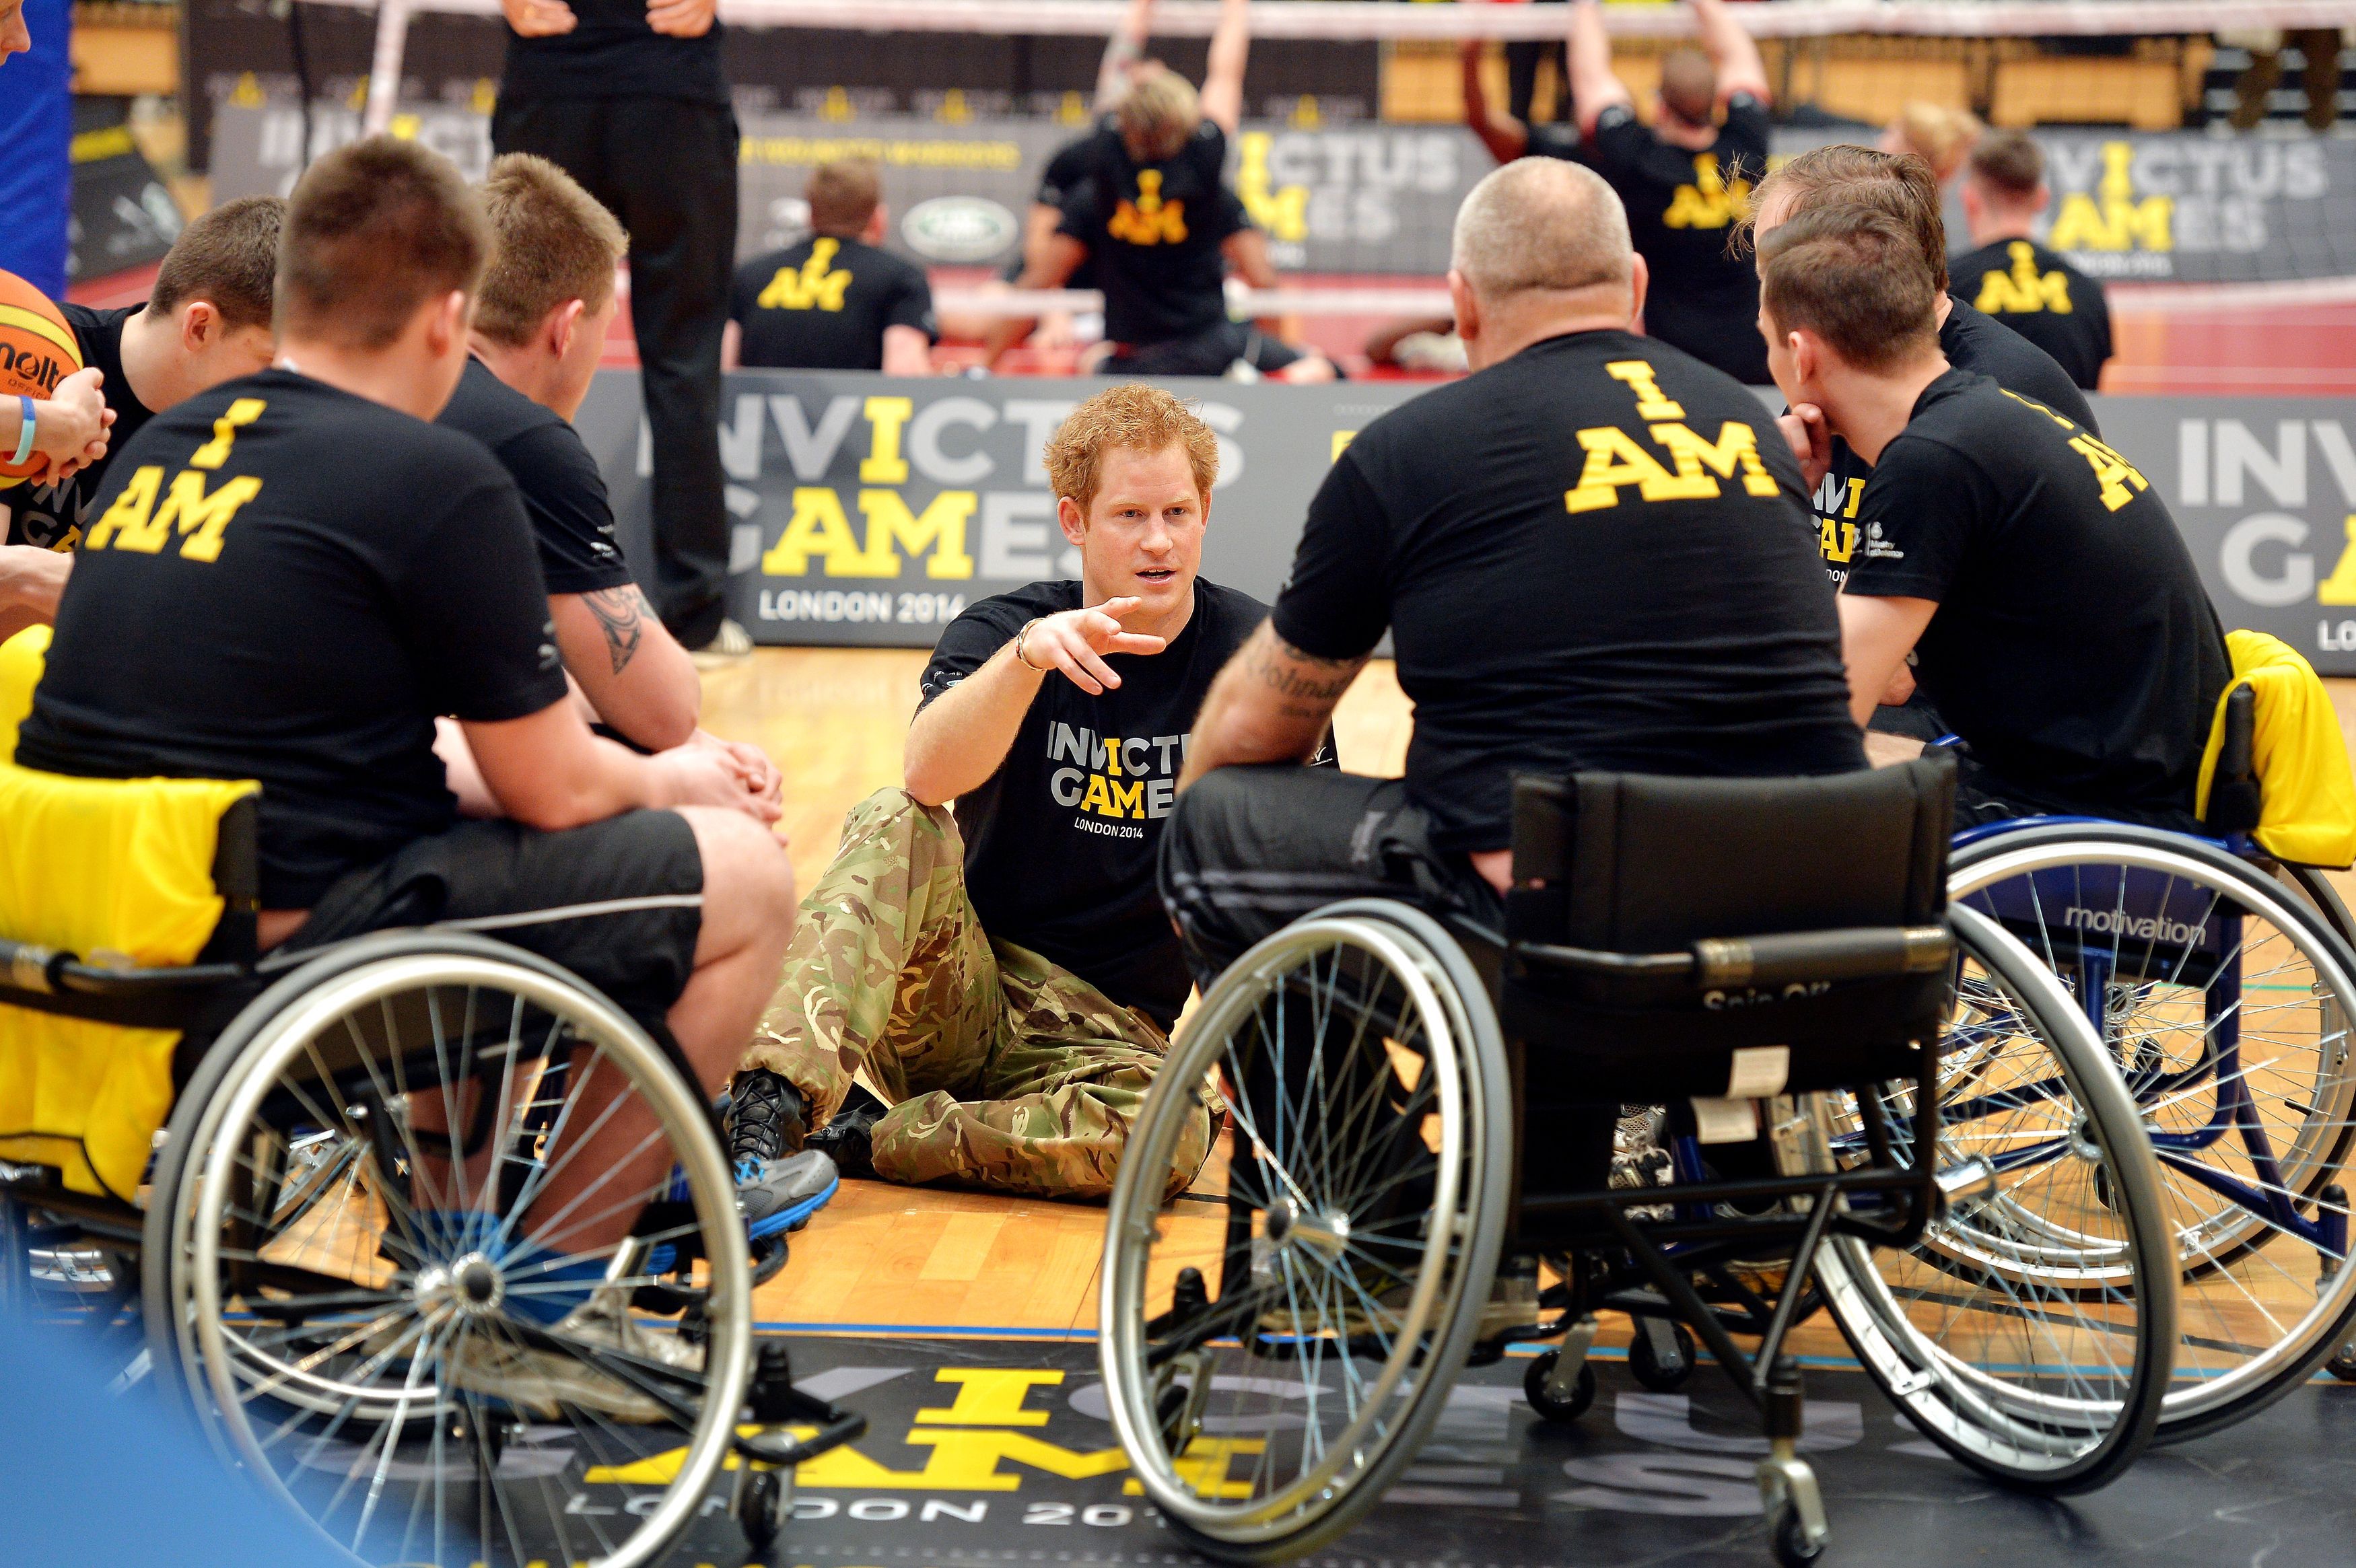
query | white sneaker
[728, 646]
[538, 1382]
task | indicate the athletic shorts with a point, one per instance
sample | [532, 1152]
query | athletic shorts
[617, 902]
[1207, 353]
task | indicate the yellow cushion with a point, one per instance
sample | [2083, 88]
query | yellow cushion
[21, 659]
[101, 868]
[2307, 791]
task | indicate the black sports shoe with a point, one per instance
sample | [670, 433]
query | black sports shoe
[845, 1136]
[766, 1121]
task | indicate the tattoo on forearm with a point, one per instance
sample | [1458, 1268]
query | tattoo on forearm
[621, 613]
[1307, 694]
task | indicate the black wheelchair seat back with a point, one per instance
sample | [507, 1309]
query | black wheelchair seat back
[1659, 925]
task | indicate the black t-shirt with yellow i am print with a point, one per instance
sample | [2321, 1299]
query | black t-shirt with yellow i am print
[823, 304]
[2042, 297]
[1155, 231]
[1683, 205]
[1595, 554]
[285, 582]
[2074, 647]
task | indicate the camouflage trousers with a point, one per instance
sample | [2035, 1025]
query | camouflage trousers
[1002, 1070]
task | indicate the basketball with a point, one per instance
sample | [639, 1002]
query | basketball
[36, 351]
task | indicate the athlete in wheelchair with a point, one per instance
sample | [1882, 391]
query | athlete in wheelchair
[1636, 859]
[2143, 801]
[437, 1240]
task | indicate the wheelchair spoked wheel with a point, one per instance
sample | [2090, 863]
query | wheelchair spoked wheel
[2225, 997]
[2029, 1333]
[1271, 1369]
[422, 1337]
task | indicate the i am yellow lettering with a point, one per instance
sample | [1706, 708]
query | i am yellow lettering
[814, 285]
[1652, 403]
[884, 464]
[1614, 459]
[940, 527]
[2116, 474]
[2024, 290]
[990, 1396]
[2119, 221]
[1710, 202]
[1856, 494]
[818, 527]
[1282, 210]
[1838, 540]
[1150, 220]
[204, 518]
[1098, 796]
[215, 452]
[127, 518]
[1737, 447]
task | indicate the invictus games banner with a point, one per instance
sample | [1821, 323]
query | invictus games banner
[1371, 197]
[870, 511]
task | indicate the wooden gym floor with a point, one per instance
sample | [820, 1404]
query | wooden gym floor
[914, 1258]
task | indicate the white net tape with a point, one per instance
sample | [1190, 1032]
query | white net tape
[1359, 20]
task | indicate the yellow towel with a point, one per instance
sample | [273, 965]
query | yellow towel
[2306, 812]
[98, 867]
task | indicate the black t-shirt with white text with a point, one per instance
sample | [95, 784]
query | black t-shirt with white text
[563, 493]
[823, 304]
[54, 516]
[2073, 648]
[1971, 341]
[1059, 842]
[285, 582]
[612, 52]
[1594, 555]
[1154, 232]
[1681, 207]
[2029, 289]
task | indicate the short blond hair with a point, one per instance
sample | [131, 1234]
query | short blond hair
[1133, 415]
[552, 243]
[1939, 135]
[1157, 114]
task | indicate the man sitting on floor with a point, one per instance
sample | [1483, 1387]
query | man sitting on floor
[289, 578]
[207, 321]
[2057, 617]
[1006, 976]
[837, 301]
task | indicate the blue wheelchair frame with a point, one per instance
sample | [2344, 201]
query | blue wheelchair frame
[2144, 895]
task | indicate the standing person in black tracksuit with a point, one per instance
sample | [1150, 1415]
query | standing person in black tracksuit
[628, 97]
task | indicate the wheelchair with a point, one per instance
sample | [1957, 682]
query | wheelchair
[343, 1254]
[1407, 1098]
[2220, 980]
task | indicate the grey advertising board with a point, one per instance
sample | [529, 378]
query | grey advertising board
[870, 510]
[867, 511]
[1371, 197]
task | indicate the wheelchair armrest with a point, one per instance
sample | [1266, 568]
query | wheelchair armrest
[2234, 797]
[1718, 963]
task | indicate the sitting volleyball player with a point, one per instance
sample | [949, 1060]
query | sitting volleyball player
[356, 572]
[205, 321]
[541, 316]
[2037, 577]
[1591, 553]
[1006, 976]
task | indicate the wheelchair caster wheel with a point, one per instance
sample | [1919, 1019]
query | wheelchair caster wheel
[1561, 1411]
[1793, 1545]
[763, 1501]
[2343, 1365]
[1649, 1367]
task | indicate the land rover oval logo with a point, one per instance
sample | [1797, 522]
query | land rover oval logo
[959, 229]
